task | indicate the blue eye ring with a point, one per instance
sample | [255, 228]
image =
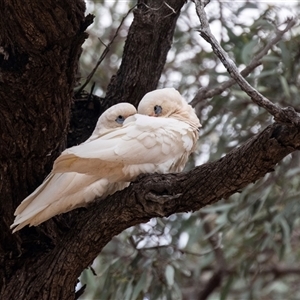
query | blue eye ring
[120, 119]
[157, 109]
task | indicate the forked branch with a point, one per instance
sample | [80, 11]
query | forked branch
[282, 115]
[205, 93]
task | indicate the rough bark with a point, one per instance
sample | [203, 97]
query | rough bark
[40, 46]
[151, 196]
[158, 195]
[144, 53]
[85, 112]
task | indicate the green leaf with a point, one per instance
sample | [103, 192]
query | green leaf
[128, 291]
[169, 273]
[225, 290]
[249, 51]
[285, 86]
[140, 286]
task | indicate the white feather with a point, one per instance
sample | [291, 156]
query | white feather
[145, 144]
[158, 139]
[62, 192]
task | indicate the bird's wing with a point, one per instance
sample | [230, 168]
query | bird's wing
[101, 188]
[34, 194]
[59, 193]
[142, 141]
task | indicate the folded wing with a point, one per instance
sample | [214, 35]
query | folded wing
[61, 193]
[144, 145]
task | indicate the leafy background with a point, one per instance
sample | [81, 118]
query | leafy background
[244, 247]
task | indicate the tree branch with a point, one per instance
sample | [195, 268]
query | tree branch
[104, 53]
[286, 115]
[158, 195]
[216, 279]
[53, 255]
[144, 57]
[205, 93]
[38, 72]
[277, 271]
[145, 51]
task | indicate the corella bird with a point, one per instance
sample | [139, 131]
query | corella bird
[62, 192]
[157, 139]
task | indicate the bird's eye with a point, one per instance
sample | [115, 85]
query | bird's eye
[120, 119]
[157, 109]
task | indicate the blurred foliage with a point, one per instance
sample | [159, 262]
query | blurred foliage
[252, 238]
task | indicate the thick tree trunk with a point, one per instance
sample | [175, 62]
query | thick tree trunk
[145, 51]
[146, 48]
[40, 43]
[40, 46]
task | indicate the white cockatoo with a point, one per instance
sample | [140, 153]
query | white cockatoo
[62, 192]
[157, 139]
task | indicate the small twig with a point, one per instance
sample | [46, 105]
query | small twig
[216, 279]
[91, 93]
[286, 115]
[80, 292]
[158, 8]
[214, 282]
[104, 53]
[276, 270]
[180, 250]
[216, 245]
[171, 8]
[102, 42]
[93, 271]
[132, 242]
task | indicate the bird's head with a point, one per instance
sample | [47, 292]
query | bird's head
[168, 103]
[114, 117]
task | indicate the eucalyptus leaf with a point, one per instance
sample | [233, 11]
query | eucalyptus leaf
[170, 273]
